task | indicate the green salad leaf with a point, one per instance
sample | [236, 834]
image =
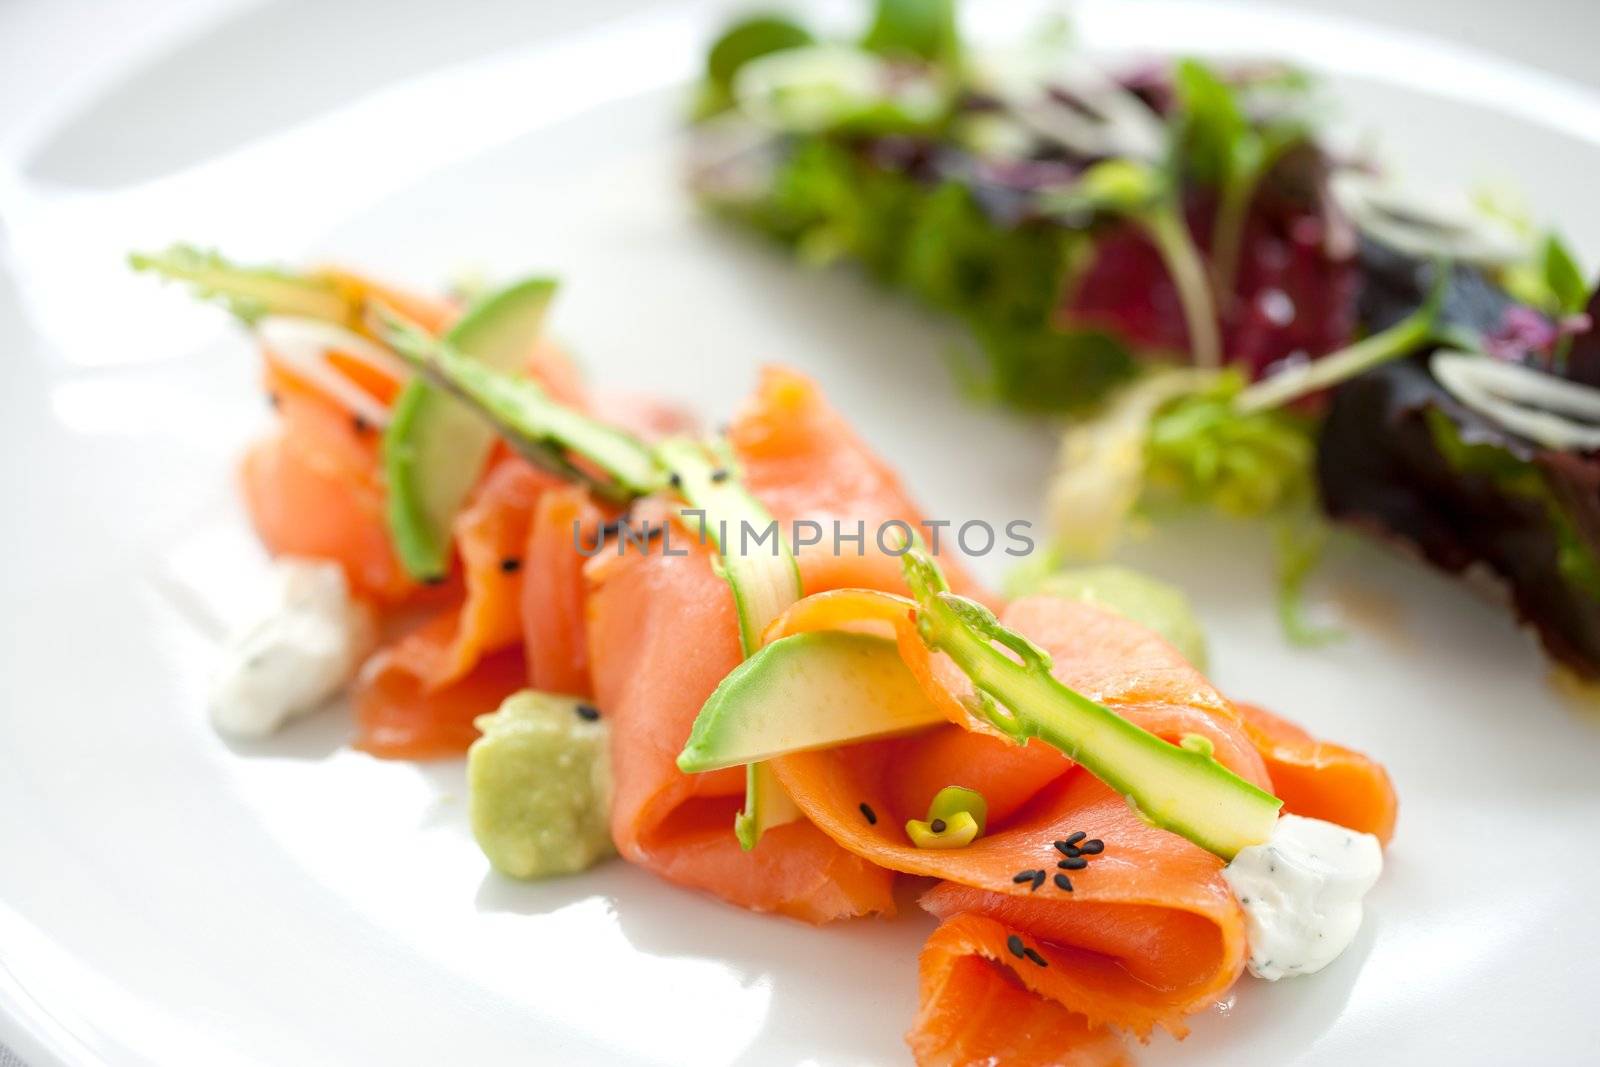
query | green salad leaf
[1300, 548]
[1513, 475]
[1218, 145]
[1569, 289]
[1003, 282]
[1211, 129]
[751, 38]
[921, 29]
[1203, 450]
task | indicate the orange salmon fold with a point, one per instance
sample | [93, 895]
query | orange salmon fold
[806, 463]
[663, 633]
[1322, 780]
[1148, 933]
[313, 488]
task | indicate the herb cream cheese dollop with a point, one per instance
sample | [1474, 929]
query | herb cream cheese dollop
[1301, 891]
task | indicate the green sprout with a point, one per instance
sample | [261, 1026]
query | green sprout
[1148, 198]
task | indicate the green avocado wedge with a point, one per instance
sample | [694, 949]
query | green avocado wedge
[760, 569]
[1180, 788]
[804, 692]
[435, 446]
[614, 465]
[755, 559]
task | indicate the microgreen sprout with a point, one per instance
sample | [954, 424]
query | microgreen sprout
[1147, 197]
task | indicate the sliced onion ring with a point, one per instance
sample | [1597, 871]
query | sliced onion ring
[303, 345]
[1112, 121]
[1425, 227]
[1536, 405]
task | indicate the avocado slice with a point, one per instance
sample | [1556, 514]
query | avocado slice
[469, 390]
[753, 555]
[807, 691]
[760, 569]
[616, 465]
[1180, 788]
[435, 446]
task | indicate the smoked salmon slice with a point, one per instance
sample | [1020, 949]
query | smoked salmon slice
[397, 717]
[312, 488]
[1322, 780]
[977, 1010]
[804, 461]
[1149, 931]
[491, 536]
[553, 590]
[663, 633]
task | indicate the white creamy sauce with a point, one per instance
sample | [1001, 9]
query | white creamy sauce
[1301, 893]
[295, 656]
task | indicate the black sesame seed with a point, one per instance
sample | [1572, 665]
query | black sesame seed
[1073, 839]
[588, 712]
[1092, 847]
[510, 565]
[1073, 863]
[1022, 876]
[1063, 882]
[868, 814]
[720, 474]
[1033, 954]
[1014, 943]
[675, 480]
[937, 826]
[360, 424]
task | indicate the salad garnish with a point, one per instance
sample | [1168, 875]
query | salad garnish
[956, 817]
[1176, 260]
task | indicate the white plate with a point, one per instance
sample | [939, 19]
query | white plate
[170, 899]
